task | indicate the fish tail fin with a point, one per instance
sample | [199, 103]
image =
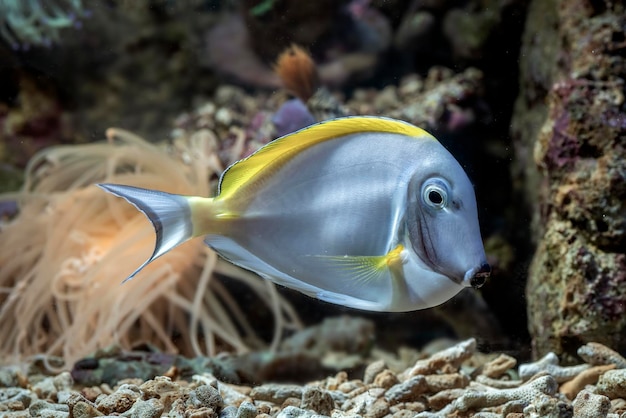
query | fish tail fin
[172, 216]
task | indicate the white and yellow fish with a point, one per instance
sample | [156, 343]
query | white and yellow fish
[366, 212]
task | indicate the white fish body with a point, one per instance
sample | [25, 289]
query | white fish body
[365, 212]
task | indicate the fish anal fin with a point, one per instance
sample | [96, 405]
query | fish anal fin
[364, 269]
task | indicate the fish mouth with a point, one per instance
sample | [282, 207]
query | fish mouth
[477, 276]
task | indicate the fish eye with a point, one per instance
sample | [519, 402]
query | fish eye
[435, 194]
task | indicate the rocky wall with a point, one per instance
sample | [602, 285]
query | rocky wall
[569, 132]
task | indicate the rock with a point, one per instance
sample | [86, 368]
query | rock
[574, 165]
[591, 405]
[613, 384]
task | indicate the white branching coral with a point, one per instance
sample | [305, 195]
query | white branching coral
[63, 257]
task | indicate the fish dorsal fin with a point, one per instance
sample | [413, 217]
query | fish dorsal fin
[276, 153]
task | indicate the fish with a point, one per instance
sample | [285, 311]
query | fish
[367, 212]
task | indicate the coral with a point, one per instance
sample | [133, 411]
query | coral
[230, 53]
[231, 125]
[36, 23]
[348, 40]
[570, 146]
[498, 366]
[598, 354]
[442, 101]
[522, 396]
[33, 122]
[468, 32]
[587, 377]
[550, 364]
[298, 72]
[446, 361]
[64, 255]
[407, 390]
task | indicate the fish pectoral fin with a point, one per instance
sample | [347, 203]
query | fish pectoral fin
[366, 269]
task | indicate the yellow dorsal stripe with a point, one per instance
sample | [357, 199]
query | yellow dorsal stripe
[281, 150]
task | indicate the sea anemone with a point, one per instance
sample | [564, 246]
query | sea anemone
[63, 257]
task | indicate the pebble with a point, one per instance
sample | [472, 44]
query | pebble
[295, 412]
[317, 400]
[408, 390]
[231, 412]
[15, 398]
[276, 393]
[246, 410]
[372, 370]
[151, 408]
[119, 401]
[45, 409]
[10, 377]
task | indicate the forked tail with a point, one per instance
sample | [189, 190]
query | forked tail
[170, 215]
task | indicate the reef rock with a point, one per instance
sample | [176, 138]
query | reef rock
[569, 133]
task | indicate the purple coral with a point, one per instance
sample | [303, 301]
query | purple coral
[291, 116]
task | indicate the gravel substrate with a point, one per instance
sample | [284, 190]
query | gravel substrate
[456, 381]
